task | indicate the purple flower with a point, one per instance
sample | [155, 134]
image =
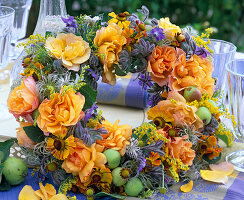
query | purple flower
[93, 73]
[70, 23]
[154, 99]
[145, 81]
[90, 112]
[201, 51]
[158, 33]
[142, 164]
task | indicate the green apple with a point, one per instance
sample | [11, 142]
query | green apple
[113, 158]
[117, 178]
[133, 187]
[192, 93]
[14, 170]
[212, 102]
[204, 114]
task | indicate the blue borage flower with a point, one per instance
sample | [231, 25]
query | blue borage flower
[145, 81]
[158, 34]
[70, 23]
[202, 51]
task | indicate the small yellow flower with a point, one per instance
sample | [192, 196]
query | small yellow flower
[120, 19]
[154, 160]
[61, 148]
[31, 72]
[170, 29]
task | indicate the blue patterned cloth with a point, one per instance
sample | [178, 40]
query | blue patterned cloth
[202, 190]
[126, 92]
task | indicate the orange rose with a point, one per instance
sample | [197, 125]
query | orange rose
[84, 159]
[176, 111]
[161, 63]
[181, 149]
[23, 100]
[109, 41]
[194, 72]
[22, 138]
[117, 138]
[60, 111]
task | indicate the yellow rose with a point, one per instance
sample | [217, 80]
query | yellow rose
[61, 111]
[69, 48]
[109, 41]
[169, 29]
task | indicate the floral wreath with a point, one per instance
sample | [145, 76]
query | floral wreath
[63, 134]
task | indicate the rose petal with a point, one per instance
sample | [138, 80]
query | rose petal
[50, 189]
[59, 197]
[28, 193]
[214, 176]
[224, 167]
[187, 187]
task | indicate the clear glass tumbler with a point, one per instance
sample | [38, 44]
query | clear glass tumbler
[22, 8]
[235, 79]
[224, 52]
[6, 26]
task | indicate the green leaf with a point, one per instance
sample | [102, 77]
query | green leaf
[224, 138]
[1, 172]
[214, 160]
[90, 96]
[4, 184]
[48, 33]
[119, 71]
[104, 194]
[34, 133]
[5, 149]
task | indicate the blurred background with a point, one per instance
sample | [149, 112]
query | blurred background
[225, 16]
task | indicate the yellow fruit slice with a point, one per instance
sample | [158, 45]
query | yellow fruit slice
[214, 176]
[224, 167]
[187, 187]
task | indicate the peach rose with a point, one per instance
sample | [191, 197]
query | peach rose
[110, 41]
[117, 138]
[170, 29]
[69, 48]
[22, 138]
[84, 159]
[176, 111]
[194, 72]
[161, 63]
[60, 111]
[181, 149]
[23, 100]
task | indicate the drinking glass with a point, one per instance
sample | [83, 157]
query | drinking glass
[6, 26]
[22, 8]
[235, 79]
[223, 53]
